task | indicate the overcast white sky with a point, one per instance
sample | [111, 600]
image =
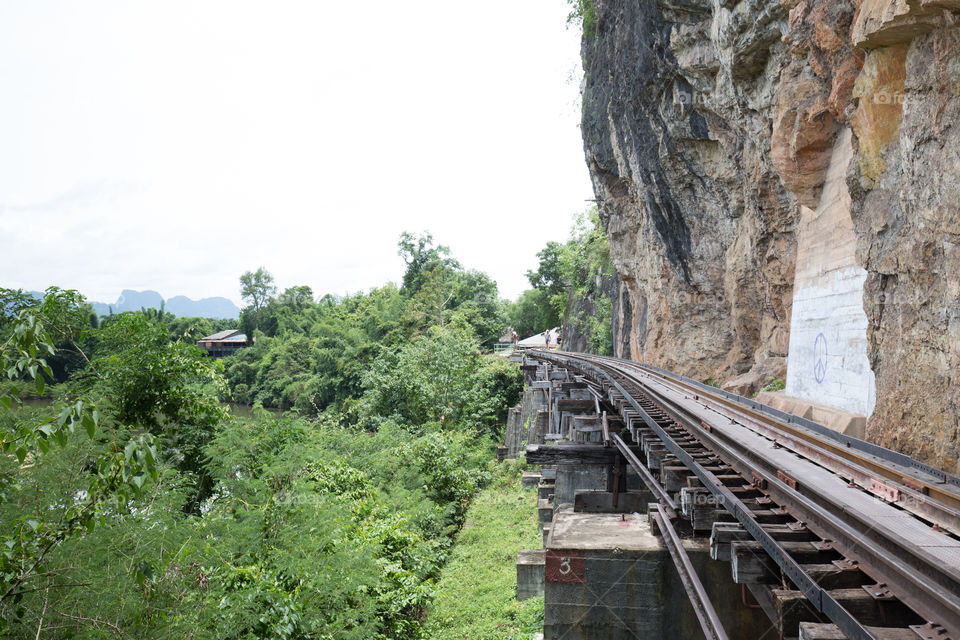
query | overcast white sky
[172, 145]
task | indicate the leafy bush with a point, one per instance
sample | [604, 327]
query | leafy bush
[774, 385]
[584, 13]
[442, 459]
[441, 377]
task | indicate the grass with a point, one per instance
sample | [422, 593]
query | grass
[478, 585]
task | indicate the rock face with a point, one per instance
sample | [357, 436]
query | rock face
[709, 124]
[679, 100]
[906, 211]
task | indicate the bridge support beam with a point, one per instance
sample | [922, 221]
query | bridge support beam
[608, 576]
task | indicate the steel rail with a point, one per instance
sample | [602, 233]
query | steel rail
[821, 599]
[827, 455]
[915, 578]
[702, 606]
[818, 597]
[844, 445]
[658, 491]
[937, 600]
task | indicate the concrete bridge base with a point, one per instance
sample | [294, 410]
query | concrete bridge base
[607, 576]
[530, 573]
[578, 477]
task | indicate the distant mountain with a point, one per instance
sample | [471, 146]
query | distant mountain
[182, 306]
[205, 308]
[130, 300]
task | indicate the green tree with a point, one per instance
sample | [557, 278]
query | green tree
[267, 527]
[68, 319]
[548, 276]
[437, 287]
[532, 313]
[297, 298]
[257, 287]
[169, 389]
[421, 257]
[571, 278]
[544, 309]
[438, 377]
[434, 293]
[107, 481]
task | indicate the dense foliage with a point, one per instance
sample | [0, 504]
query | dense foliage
[311, 356]
[571, 285]
[159, 514]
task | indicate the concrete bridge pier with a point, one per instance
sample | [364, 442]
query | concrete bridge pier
[607, 576]
[572, 478]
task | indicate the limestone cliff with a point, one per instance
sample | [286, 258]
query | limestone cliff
[906, 211]
[710, 128]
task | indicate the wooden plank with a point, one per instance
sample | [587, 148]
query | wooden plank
[572, 454]
[700, 506]
[573, 404]
[860, 604]
[602, 502]
[820, 631]
[762, 516]
[747, 566]
[804, 552]
[871, 611]
[675, 477]
[731, 480]
[655, 453]
[721, 535]
[830, 576]
[791, 608]
[724, 533]
[750, 563]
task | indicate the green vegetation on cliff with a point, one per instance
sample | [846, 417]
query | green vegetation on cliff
[572, 285]
[584, 13]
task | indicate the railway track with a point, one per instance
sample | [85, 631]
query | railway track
[864, 536]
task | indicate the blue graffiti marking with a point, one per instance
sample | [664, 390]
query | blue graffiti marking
[820, 358]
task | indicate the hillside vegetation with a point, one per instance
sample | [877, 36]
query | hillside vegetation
[136, 506]
[477, 588]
